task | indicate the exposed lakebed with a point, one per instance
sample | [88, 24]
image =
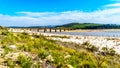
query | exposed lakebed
[113, 33]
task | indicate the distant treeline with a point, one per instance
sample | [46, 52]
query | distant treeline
[32, 26]
[90, 26]
[77, 26]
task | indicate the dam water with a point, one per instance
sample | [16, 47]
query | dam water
[96, 33]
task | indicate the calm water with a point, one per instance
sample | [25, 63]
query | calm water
[101, 33]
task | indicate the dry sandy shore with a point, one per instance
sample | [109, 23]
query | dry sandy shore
[109, 42]
[100, 42]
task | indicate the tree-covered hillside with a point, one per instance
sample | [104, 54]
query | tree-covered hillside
[90, 26]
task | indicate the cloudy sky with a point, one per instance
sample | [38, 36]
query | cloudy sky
[57, 12]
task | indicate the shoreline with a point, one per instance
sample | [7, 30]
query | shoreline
[100, 42]
[92, 30]
[62, 34]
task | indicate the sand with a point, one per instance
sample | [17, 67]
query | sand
[100, 42]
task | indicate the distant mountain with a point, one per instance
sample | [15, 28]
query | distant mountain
[50, 26]
[89, 26]
[77, 26]
[68, 25]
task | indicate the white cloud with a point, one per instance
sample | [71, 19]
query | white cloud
[36, 14]
[7, 20]
[113, 5]
[107, 16]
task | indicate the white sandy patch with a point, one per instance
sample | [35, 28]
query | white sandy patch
[96, 41]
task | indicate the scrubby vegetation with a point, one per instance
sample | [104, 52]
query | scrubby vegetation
[21, 50]
[60, 36]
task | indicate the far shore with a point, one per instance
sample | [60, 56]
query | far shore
[92, 30]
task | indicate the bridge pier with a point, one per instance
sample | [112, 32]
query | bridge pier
[55, 30]
[60, 29]
[45, 30]
[64, 30]
[38, 30]
[50, 29]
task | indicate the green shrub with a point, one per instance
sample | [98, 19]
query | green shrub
[58, 57]
[86, 64]
[89, 47]
[24, 33]
[36, 65]
[112, 51]
[42, 53]
[10, 63]
[9, 39]
[108, 51]
[6, 50]
[25, 62]
[5, 33]
[100, 60]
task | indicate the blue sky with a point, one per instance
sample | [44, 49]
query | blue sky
[56, 12]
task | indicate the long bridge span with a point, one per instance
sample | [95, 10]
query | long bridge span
[39, 29]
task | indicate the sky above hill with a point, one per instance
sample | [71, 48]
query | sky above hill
[57, 12]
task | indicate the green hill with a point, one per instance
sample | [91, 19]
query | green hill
[90, 26]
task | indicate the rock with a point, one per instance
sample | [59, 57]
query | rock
[12, 46]
[49, 58]
[69, 66]
[1, 60]
[41, 61]
[67, 56]
[2, 66]
[32, 38]
[1, 51]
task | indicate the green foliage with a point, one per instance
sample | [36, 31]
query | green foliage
[99, 61]
[82, 25]
[89, 26]
[58, 58]
[108, 51]
[6, 50]
[60, 36]
[25, 62]
[36, 65]
[10, 63]
[24, 48]
[86, 64]
[63, 53]
[86, 26]
[9, 39]
[42, 53]
[89, 47]
[112, 51]
[5, 33]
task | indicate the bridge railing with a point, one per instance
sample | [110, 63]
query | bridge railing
[39, 29]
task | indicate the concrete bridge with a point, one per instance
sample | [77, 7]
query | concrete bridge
[39, 29]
